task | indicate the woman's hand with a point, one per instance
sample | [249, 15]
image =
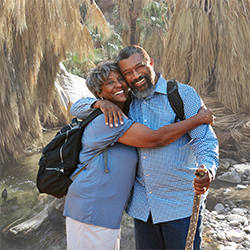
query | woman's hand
[206, 115]
[112, 113]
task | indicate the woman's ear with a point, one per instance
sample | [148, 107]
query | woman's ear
[99, 94]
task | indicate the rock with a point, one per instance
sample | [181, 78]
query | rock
[226, 191]
[70, 87]
[232, 177]
[247, 229]
[219, 208]
[234, 223]
[242, 168]
[240, 187]
[224, 164]
[246, 244]
[220, 217]
[239, 211]
[243, 160]
[231, 161]
[221, 235]
[247, 238]
[227, 248]
[234, 236]
[28, 227]
[236, 217]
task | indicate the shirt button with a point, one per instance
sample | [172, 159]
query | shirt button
[147, 175]
[150, 192]
[145, 120]
[144, 157]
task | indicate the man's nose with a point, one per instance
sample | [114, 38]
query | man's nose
[135, 75]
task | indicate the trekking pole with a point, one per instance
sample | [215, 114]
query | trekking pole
[195, 213]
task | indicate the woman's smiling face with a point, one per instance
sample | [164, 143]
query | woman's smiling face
[114, 89]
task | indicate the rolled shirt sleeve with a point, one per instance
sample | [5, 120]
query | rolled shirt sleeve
[82, 108]
[204, 142]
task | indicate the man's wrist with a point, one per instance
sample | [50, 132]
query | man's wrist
[96, 104]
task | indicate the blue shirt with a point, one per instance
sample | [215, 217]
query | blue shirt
[163, 184]
[96, 197]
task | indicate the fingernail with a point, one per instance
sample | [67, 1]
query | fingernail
[121, 123]
[111, 125]
[116, 124]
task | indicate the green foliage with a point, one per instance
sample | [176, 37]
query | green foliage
[154, 14]
[109, 45]
[105, 48]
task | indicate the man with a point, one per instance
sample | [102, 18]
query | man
[161, 201]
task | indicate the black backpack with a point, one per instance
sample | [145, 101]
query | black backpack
[60, 158]
[175, 100]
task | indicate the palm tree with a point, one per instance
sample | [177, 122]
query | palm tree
[129, 12]
[208, 47]
[34, 38]
[153, 32]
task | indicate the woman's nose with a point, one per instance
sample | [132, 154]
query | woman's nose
[118, 83]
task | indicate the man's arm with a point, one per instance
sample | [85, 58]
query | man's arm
[83, 107]
[204, 143]
[112, 113]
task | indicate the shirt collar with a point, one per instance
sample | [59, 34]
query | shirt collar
[161, 86]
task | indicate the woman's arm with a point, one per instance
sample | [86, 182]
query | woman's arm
[141, 136]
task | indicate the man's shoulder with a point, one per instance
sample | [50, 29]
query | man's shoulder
[185, 89]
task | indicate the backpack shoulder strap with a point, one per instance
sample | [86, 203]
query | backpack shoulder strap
[175, 99]
[92, 116]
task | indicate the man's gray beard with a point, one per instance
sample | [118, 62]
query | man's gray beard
[144, 93]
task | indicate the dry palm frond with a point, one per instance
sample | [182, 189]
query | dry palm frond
[155, 51]
[234, 127]
[93, 16]
[208, 47]
[34, 36]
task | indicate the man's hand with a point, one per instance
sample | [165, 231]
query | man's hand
[112, 113]
[206, 115]
[201, 185]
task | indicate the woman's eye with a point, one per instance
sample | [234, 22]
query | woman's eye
[121, 79]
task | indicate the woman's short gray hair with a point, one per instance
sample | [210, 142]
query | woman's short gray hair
[99, 74]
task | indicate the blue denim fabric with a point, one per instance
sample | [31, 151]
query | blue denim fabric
[168, 235]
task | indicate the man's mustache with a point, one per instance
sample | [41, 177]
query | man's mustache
[140, 78]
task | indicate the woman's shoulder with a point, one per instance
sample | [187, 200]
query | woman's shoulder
[98, 125]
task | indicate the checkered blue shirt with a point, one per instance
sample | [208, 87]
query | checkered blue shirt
[163, 184]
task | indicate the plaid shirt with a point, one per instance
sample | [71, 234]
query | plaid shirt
[163, 184]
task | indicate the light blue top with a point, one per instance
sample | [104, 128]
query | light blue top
[96, 197]
[163, 184]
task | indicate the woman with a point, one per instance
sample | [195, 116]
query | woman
[96, 199]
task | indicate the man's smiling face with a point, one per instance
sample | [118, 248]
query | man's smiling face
[139, 74]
